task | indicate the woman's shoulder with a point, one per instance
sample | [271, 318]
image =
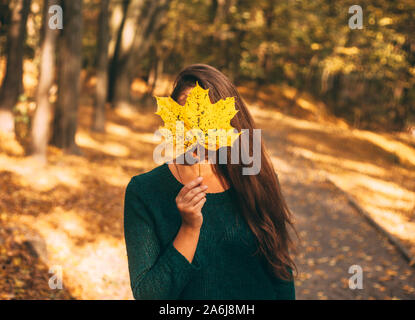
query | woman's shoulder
[153, 181]
[149, 175]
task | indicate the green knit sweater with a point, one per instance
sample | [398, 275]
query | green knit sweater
[223, 266]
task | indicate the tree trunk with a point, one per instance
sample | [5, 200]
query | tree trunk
[143, 18]
[268, 63]
[102, 68]
[115, 44]
[155, 73]
[12, 85]
[43, 115]
[69, 69]
[122, 75]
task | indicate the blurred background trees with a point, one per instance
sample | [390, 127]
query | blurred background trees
[12, 86]
[365, 76]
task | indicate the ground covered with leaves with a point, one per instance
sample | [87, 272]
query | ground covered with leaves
[70, 213]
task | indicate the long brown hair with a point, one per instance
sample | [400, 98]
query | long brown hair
[259, 196]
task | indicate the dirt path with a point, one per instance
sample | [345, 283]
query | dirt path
[335, 236]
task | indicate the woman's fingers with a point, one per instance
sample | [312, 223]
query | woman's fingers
[197, 198]
[198, 206]
[189, 202]
[194, 192]
[189, 187]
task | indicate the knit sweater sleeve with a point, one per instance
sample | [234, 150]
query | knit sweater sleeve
[156, 272]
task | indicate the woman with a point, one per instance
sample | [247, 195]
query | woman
[223, 235]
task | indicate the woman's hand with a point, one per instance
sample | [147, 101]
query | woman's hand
[190, 201]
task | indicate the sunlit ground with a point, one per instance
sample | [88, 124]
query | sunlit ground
[76, 203]
[378, 170]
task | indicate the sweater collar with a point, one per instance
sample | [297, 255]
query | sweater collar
[173, 184]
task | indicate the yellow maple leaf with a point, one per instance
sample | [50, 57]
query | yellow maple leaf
[198, 121]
